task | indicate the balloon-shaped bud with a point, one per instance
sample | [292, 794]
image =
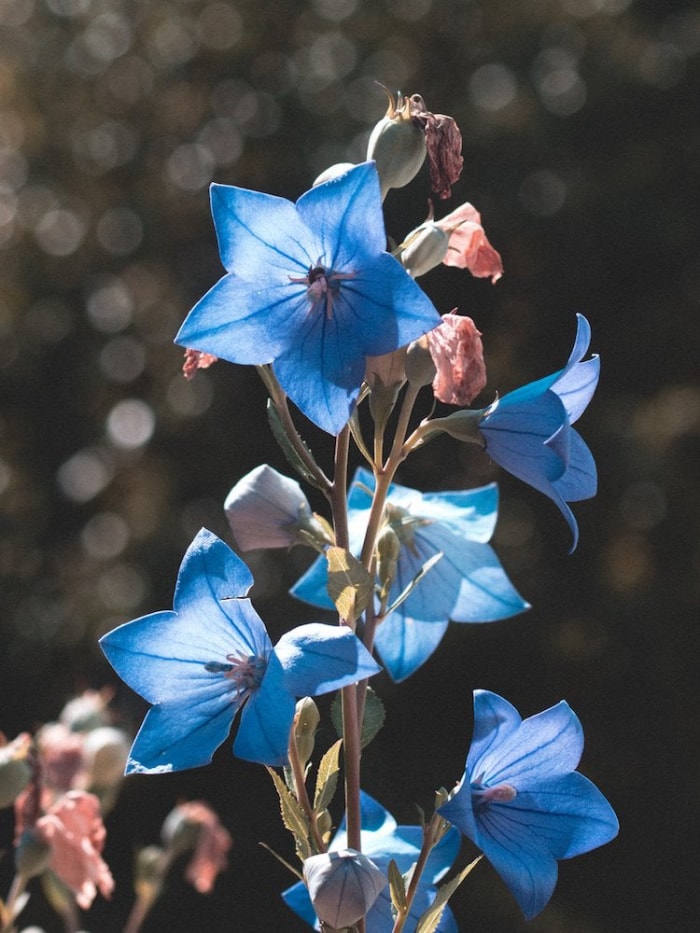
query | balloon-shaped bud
[343, 886]
[397, 143]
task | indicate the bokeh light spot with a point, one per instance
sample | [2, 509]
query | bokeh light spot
[130, 424]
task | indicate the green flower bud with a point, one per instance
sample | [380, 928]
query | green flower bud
[423, 249]
[32, 854]
[397, 143]
[388, 550]
[462, 425]
[420, 368]
[306, 720]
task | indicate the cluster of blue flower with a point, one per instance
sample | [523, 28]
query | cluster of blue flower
[310, 294]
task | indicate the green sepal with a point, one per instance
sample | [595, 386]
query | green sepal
[397, 888]
[372, 721]
[412, 584]
[350, 585]
[430, 920]
[282, 438]
[327, 777]
[292, 816]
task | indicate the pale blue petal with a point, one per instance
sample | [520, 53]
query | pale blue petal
[487, 595]
[318, 658]
[495, 720]
[179, 736]
[297, 898]
[266, 720]
[260, 235]
[544, 746]
[580, 481]
[405, 643]
[576, 387]
[312, 586]
[210, 571]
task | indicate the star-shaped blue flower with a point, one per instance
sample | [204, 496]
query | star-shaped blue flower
[521, 801]
[467, 584]
[309, 288]
[382, 840]
[529, 433]
[211, 656]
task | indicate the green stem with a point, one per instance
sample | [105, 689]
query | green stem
[19, 883]
[301, 792]
[430, 837]
[149, 893]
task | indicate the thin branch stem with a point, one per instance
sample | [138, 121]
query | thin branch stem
[302, 793]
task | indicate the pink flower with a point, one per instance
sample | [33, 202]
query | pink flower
[469, 248]
[458, 354]
[194, 824]
[74, 830]
[196, 359]
[61, 755]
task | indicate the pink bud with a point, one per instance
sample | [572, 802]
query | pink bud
[458, 354]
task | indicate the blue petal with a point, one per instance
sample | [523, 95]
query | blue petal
[346, 216]
[175, 737]
[318, 658]
[261, 236]
[297, 898]
[495, 720]
[312, 587]
[266, 720]
[543, 746]
[487, 595]
[580, 481]
[576, 387]
[405, 643]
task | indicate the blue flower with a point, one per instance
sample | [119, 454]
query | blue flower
[382, 840]
[529, 433]
[521, 801]
[310, 289]
[211, 656]
[467, 584]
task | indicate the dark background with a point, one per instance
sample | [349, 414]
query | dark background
[582, 151]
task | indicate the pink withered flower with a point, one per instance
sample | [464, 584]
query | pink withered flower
[61, 756]
[458, 354]
[469, 247]
[74, 831]
[194, 825]
[443, 142]
[196, 359]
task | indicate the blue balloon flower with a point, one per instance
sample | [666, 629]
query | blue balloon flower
[211, 656]
[309, 288]
[467, 584]
[382, 840]
[528, 432]
[521, 801]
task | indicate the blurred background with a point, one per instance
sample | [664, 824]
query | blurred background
[582, 151]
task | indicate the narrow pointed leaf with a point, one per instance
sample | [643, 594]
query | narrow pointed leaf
[292, 815]
[327, 777]
[430, 920]
[288, 449]
[397, 888]
[407, 590]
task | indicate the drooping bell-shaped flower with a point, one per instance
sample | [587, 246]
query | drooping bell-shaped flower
[522, 802]
[309, 289]
[211, 657]
[467, 584]
[383, 840]
[528, 431]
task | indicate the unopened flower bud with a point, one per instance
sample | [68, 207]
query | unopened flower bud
[462, 425]
[87, 711]
[32, 854]
[333, 171]
[343, 886]
[397, 143]
[423, 249]
[306, 720]
[388, 550]
[420, 368]
[148, 869]
[268, 510]
[15, 768]
[458, 354]
[105, 753]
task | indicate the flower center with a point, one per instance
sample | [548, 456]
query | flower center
[482, 795]
[322, 285]
[404, 525]
[244, 671]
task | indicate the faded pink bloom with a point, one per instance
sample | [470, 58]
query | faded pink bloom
[61, 755]
[210, 840]
[458, 354]
[469, 248]
[196, 359]
[74, 830]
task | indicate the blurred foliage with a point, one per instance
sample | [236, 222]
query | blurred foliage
[582, 151]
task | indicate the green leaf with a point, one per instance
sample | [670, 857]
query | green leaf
[350, 585]
[327, 777]
[293, 816]
[288, 448]
[430, 920]
[372, 721]
[397, 888]
[408, 589]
